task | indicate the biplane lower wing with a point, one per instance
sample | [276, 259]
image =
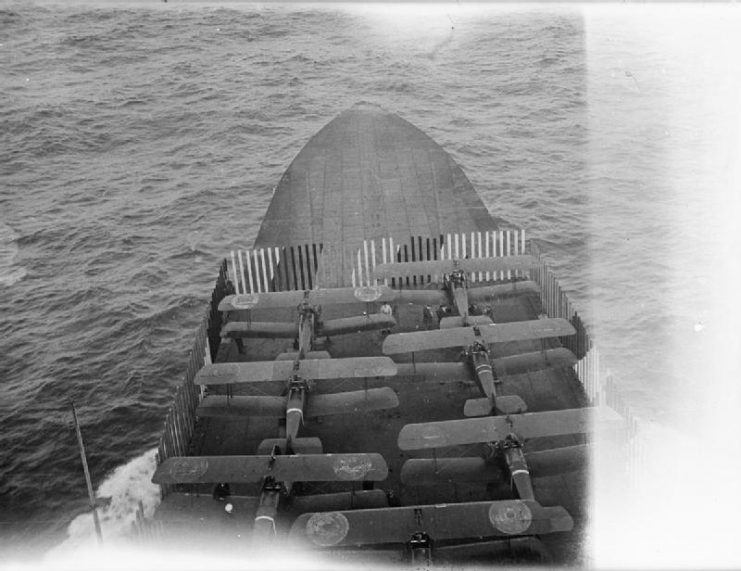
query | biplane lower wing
[436, 371]
[465, 336]
[356, 324]
[293, 355]
[315, 369]
[558, 460]
[514, 547]
[422, 296]
[477, 294]
[533, 361]
[441, 522]
[495, 428]
[442, 267]
[326, 296]
[424, 471]
[290, 468]
[302, 445]
[259, 329]
[223, 406]
[504, 404]
[355, 500]
[468, 321]
[201, 509]
[502, 366]
[351, 402]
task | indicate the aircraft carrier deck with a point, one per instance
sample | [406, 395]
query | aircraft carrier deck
[371, 182]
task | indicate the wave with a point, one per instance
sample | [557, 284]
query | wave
[128, 487]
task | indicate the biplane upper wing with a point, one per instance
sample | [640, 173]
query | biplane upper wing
[315, 369]
[465, 336]
[278, 299]
[495, 428]
[441, 267]
[465, 520]
[259, 329]
[289, 468]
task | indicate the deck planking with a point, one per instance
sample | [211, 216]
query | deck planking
[369, 174]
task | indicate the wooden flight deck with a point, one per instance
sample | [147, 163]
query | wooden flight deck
[369, 175]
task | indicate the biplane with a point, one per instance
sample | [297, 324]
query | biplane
[505, 436]
[309, 323]
[451, 275]
[505, 460]
[486, 526]
[299, 400]
[276, 473]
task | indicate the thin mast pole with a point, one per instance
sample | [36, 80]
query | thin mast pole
[90, 492]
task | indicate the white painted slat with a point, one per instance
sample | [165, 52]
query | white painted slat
[235, 274]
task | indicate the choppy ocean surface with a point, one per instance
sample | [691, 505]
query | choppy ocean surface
[140, 142]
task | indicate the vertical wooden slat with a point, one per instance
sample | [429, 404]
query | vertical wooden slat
[284, 269]
[392, 259]
[414, 256]
[294, 269]
[480, 254]
[279, 269]
[252, 261]
[366, 261]
[249, 281]
[241, 271]
[373, 261]
[309, 263]
[265, 276]
[301, 267]
[272, 265]
[509, 251]
[317, 249]
[384, 257]
[359, 268]
[234, 273]
[254, 264]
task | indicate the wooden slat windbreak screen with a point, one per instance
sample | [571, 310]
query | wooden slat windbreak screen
[600, 388]
[494, 243]
[280, 268]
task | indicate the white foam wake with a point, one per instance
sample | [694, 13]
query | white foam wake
[127, 487]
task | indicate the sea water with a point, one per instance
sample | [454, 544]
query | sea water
[141, 142]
